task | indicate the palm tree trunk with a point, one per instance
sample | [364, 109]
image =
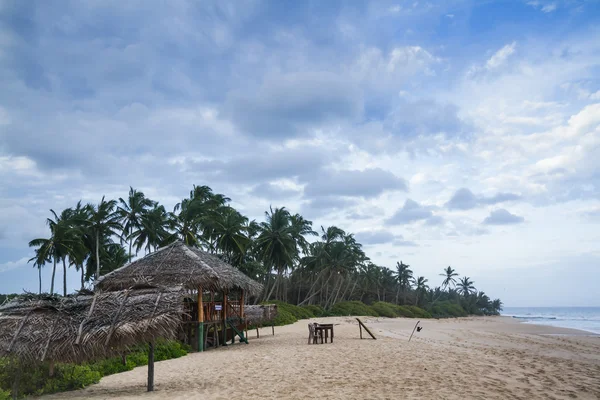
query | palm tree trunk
[97, 255]
[130, 241]
[52, 281]
[82, 277]
[64, 278]
[40, 278]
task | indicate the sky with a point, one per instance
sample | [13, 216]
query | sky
[461, 133]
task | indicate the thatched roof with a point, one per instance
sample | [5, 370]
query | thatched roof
[180, 265]
[87, 326]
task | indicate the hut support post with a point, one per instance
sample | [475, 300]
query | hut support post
[242, 303]
[151, 367]
[200, 321]
[224, 318]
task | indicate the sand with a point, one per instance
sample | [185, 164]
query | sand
[466, 358]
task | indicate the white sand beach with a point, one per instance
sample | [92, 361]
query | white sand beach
[466, 358]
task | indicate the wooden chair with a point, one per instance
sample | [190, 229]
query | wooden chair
[314, 333]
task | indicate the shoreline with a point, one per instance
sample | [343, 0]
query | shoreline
[458, 358]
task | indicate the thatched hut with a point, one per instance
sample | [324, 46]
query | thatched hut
[87, 326]
[216, 291]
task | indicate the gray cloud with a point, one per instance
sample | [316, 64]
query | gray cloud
[375, 237]
[410, 212]
[367, 183]
[404, 243]
[272, 191]
[322, 205]
[286, 104]
[435, 221]
[464, 199]
[502, 217]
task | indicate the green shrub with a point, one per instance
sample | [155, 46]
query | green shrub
[284, 317]
[447, 309]
[5, 395]
[353, 308]
[384, 309]
[295, 311]
[71, 377]
[403, 311]
[316, 311]
[418, 312]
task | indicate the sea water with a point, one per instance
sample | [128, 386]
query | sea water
[582, 318]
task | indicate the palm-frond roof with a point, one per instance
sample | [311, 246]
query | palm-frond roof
[179, 265]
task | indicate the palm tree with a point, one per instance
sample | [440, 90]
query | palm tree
[153, 230]
[56, 247]
[465, 286]
[131, 211]
[103, 223]
[420, 287]
[228, 228]
[38, 262]
[496, 306]
[276, 244]
[404, 276]
[449, 274]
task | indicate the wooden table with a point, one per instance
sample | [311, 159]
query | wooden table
[322, 331]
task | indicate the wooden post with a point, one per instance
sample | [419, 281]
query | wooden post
[360, 328]
[151, 367]
[273, 329]
[200, 321]
[224, 318]
[242, 303]
[257, 333]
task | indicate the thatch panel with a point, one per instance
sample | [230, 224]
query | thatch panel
[259, 314]
[38, 328]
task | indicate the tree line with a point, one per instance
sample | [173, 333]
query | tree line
[295, 262]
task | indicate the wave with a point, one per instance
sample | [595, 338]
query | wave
[536, 318]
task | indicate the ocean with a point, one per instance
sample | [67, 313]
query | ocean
[582, 318]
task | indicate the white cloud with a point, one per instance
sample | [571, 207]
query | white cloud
[10, 265]
[501, 56]
[548, 8]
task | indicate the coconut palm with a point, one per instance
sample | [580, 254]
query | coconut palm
[130, 212]
[275, 244]
[103, 223]
[56, 247]
[39, 260]
[465, 286]
[152, 231]
[404, 276]
[449, 274]
[420, 287]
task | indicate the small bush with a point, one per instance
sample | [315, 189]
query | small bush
[284, 317]
[353, 308]
[297, 312]
[71, 377]
[446, 309]
[418, 312]
[384, 309]
[316, 311]
[5, 395]
[403, 311]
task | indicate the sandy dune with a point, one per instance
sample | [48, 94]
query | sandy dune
[471, 358]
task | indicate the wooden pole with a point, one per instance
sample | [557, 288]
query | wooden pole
[200, 321]
[224, 318]
[151, 367]
[242, 304]
[273, 329]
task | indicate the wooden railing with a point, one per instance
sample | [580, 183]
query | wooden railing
[213, 310]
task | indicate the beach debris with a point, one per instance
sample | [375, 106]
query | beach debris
[361, 325]
[413, 332]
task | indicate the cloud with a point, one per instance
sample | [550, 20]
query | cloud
[404, 243]
[286, 105]
[375, 237]
[500, 56]
[410, 212]
[273, 191]
[322, 205]
[367, 183]
[548, 8]
[464, 199]
[502, 217]
[10, 265]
